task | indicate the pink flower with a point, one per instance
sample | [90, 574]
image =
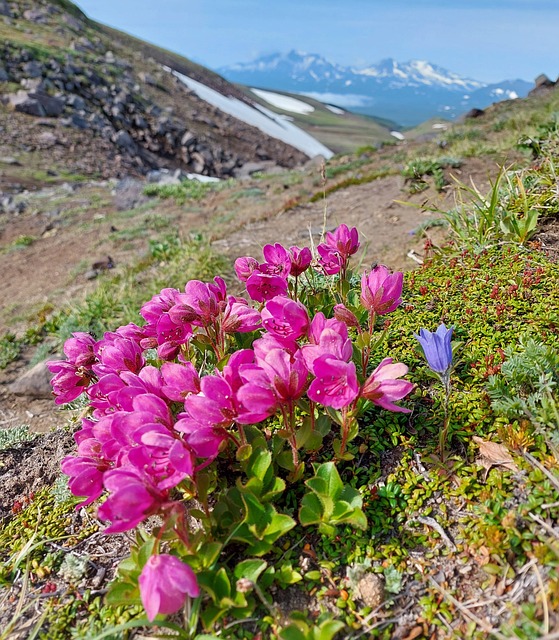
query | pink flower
[215, 404]
[278, 379]
[343, 240]
[343, 314]
[285, 318]
[204, 299]
[179, 380]
[381, 291]
[330, 260]
[85, 475]
[264, 286]
[382, 386]
[335, 384]
[170, 336]
[161, 455]
[79, 349]
[239, 317]
[327, 337]
[68, 381]
[118, 354]
[165, 581]
[218, 288]
[151, 311]
[133, 497]
[245, 267]
[300, 260]
[278, 260]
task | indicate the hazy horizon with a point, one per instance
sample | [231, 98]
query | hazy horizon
[488, 41]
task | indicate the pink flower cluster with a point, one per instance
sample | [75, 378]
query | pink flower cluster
[152, 427]
[268, 279]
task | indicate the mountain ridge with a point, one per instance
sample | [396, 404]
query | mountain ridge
[415, 90]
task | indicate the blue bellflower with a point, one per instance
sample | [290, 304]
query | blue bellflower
[437, 349]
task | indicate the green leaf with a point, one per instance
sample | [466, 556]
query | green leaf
[250, 569]
[281, 523]
[327, 630]
[303, 434]
[351, 496]
[244, 452]
[292, 632]
[327, 529]
[311, 510]
[216, 584]
[330, 475]
[257, 515]
[210, 614]
[287, 575]
[208, 553]
[259, 464]
[285, 460]
[123, 593]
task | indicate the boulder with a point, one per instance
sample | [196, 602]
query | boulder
[128, 194]
[33, 69]
[543, 81]
[34, 383]
[474, 113]
[5, 9]
[33, 84]
[542, 84]
[124, 140]
[35, 103]
[3, 75]
[10, 160]
[35, 15]
[72, 22]
[53, 105]
[25, 103]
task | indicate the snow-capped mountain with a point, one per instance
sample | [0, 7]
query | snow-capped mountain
[407, 93]
[417, 73]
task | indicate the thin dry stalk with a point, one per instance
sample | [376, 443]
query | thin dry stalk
[471, 617]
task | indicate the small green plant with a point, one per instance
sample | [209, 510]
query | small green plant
[74, 567]
[416, 170]
[14, 436]
[23, 241]
[185, 190]
[330, 503]
[526, 386]
[10, 348]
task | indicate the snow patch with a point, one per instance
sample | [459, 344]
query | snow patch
[284, 102]
[347, 100]
[201, 178]
[398, 135]
[267, 121]
[334, 109]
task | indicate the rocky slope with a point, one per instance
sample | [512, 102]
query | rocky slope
[80, 98]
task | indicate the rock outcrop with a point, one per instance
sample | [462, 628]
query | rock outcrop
[106, 97]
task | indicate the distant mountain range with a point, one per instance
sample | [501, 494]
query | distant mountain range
[406, 93]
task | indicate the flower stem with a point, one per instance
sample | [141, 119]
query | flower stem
[443, 435]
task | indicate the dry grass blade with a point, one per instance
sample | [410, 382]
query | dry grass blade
[471, 617]
[538, 465]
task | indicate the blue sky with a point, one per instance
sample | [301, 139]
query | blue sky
[487, 40]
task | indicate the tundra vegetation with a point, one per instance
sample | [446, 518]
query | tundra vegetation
[312, 450]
